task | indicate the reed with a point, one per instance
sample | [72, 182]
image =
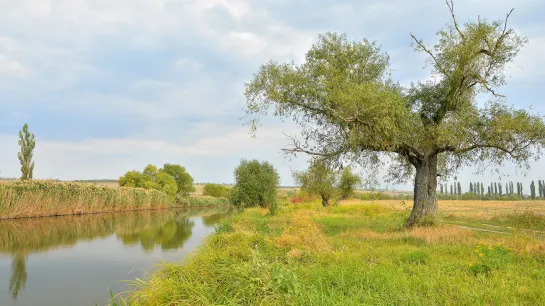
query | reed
[23, 199]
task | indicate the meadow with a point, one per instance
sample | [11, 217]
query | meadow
[358, 253]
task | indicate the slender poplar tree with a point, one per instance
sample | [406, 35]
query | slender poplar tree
[27, 144]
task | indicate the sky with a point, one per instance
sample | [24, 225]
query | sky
[109, 86]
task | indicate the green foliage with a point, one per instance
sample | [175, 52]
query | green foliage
[216, 190]
[171, 179]
[256, 184]
[150, 173]
[167, 184]
[183, 180]
[490, 258]
[224, 226]
[348, 182]
[132, 179]
[27, 144]
[348, 107]
[320, 179]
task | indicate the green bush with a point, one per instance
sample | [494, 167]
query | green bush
[256, 185]
[216, 190]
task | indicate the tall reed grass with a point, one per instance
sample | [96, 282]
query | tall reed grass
[21, 199]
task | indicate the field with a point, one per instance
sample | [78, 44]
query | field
[479, 253]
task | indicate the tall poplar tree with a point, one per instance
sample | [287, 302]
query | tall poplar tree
[27, 144]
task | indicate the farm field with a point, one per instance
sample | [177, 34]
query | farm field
[359, 253]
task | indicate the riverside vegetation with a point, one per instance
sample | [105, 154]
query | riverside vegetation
[20, 199]
[359, 253]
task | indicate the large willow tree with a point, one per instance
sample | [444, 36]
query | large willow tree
[348, 107]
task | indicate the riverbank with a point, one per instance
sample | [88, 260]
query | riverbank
[24, 199]
[29, 199]
[351, 255]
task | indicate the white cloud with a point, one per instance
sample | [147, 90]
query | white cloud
[12, 67]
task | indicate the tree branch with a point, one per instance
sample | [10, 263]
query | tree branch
[473, 147]
[451, 8]
[430, 54]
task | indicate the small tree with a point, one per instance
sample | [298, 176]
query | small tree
[318, 179]
[256, 184]
[150, 173]
[184, 181]
[132, 179]
[27, 144]
[348, 183]
[167, 184]
[500, 189]
[533, 190]
[441, 185]
[482, 189]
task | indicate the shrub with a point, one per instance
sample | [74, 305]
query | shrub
[216, 190]
[171, 179]
[256, 184]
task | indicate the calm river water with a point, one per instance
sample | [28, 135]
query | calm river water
[76, 260]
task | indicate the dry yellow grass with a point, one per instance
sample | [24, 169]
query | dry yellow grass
[22, 199]
[300, 231]
[474, 209]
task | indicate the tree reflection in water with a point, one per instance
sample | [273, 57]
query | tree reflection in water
[167, 229]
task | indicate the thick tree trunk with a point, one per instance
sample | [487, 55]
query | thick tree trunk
[325, 201]
[425, 192]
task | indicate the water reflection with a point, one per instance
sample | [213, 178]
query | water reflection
[165, 230]
[18, 275]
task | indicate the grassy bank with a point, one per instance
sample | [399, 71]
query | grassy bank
[45, 198]
[356, 254]
[200, 201]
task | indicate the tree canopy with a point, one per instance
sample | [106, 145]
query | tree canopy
[348, 107]
[171, 179]
[27, 144]
[184, 181]
[320, 179]
[256, 184]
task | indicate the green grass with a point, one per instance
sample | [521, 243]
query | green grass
[197, 201]
[348, 255]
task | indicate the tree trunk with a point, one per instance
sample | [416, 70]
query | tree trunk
[342, 198]
[425, 192]
[325, 201]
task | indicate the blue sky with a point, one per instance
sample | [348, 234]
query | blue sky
[110, 86]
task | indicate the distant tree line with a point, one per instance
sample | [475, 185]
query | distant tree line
[494, 191]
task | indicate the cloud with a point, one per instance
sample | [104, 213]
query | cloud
[12, 67]
[109, 86]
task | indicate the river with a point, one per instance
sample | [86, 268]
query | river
[77, 260]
